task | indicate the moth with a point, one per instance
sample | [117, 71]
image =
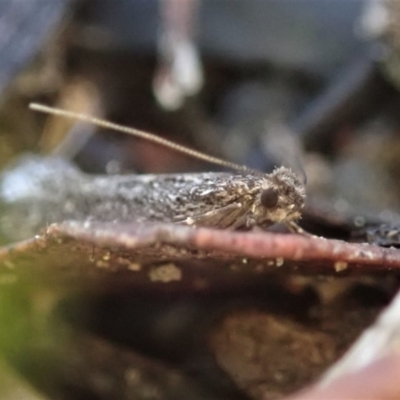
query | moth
[40, 191]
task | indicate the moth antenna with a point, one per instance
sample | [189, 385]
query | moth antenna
[141, 134]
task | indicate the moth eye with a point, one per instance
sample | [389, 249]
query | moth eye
[269, 198]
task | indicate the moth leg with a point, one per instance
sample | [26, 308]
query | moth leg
[235, 219]
[239, 222]
[295, 228]
[219, 218]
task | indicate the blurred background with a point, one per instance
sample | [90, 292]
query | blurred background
[311, 84]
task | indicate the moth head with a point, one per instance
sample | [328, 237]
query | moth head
[282, 196]
[269, 198]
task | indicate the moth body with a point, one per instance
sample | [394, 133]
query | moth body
[39, 191]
